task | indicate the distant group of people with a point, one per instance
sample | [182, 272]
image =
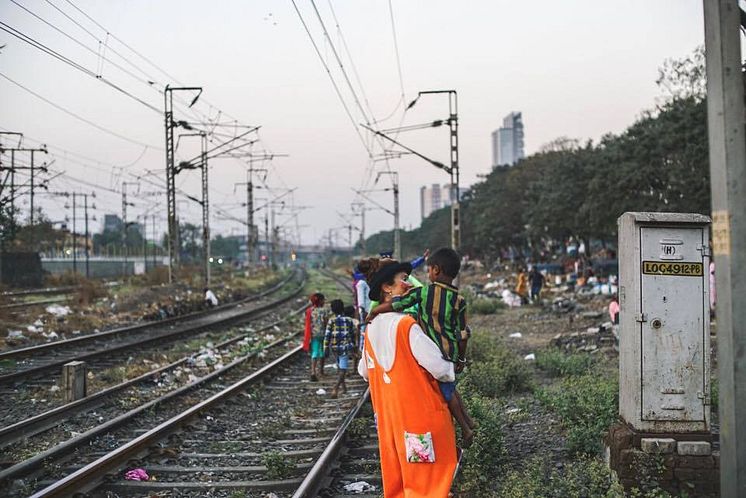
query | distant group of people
[411, 340]
[529, 285]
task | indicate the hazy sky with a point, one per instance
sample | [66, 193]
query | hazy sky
[577, 68]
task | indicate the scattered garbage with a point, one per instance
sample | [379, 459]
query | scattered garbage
[57, 310]
[54, 389]
[515, 335]
[33, 329]
[359, 487]
[15, 337]
[52, 336]
[530, 357]
[512, 300]
[137, 475]
[511, 411]
[321, 392]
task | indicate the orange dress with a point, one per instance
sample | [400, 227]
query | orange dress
[406, 399]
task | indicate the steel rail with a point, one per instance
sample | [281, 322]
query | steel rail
[56, 365]
[31, 350]
[43, 421]
[314, 480]
[27, 466]
[84, 479]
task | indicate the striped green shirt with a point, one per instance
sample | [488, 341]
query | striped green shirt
[441, 312]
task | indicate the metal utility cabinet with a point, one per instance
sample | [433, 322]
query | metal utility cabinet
[664, 343]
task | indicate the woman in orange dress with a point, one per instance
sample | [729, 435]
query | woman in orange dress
[416, 437]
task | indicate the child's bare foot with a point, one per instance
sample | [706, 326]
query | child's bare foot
[467, 437]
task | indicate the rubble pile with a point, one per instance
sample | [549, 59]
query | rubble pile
[592, 340]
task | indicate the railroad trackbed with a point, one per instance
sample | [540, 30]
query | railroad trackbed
[271, 429]
[42, 364]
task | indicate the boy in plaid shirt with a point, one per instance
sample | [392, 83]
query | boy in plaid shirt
[441, 312]
[340, 340]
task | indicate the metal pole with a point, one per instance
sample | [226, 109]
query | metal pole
[31, 214]
[727, 142]
[173, 228]
[155, 239]
[75, 242]
[13, 193]
[250, 218]
[362, 229]
[455, 194]
[266, 231]
[205, 212]
[87, 251]
[273, 255]
[124, 229]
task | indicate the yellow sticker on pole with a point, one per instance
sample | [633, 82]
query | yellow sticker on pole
[721, 233]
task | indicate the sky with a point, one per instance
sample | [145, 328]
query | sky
[576, 68]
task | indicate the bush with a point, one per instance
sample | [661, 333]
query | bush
[558, 364]
[495, 370]
[483, 462]
[579, 478]
[485, 306]
[587, 405]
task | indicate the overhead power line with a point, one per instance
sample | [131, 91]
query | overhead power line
[331, 78]
[78, 117]
[44, 48]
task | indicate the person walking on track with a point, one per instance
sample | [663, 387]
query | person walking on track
[339, 340]
[417, 441]
[313, 337]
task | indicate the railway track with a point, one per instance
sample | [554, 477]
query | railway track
[261, 433]
[23, 364]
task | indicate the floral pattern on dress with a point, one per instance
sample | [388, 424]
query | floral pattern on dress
[419, 447]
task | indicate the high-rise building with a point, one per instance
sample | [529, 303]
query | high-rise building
[507, 141]
[434, 197]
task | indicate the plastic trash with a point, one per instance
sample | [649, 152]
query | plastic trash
[321, 392]
[57, 310]
[530, 357]
[359, 487]
[515, 335]
[137, 475]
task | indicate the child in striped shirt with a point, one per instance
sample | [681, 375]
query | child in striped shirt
[441, 312]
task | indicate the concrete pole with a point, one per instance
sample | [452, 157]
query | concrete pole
[87, 251]
[727, 141]
[75, 239]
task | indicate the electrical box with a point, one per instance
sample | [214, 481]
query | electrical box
[664, 341]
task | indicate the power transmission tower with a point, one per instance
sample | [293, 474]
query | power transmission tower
[125, 203]
[170, 124]
[32, 169]
[397, 231]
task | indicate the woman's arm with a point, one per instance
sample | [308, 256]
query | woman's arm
[429, 356]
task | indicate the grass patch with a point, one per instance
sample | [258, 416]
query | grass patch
[559, 364]
[714, 393]
[580, 478]
[495, 370]
[587, 405]
[278, 467]
[483, 462]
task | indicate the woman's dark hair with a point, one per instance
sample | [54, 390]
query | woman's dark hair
[380, 272]
[317, 299]
[350, 311]
[447, 260]
[338, 307]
